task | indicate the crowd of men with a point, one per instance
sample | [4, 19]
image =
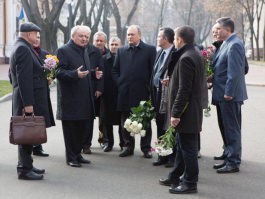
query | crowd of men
[96, 81]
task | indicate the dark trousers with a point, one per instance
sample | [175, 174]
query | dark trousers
[88, 134]
[25, 161]
[220, 124]
[160, 118]
[186, 159]
[231, 115]
[129, 140]
[108, 135]
[73, 131]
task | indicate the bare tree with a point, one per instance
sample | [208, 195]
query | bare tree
[47, 22]
[253, 8]
[194, 14]
[122, 29]
[72, 10]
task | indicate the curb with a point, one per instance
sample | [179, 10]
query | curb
[256, 84]
[6, 97]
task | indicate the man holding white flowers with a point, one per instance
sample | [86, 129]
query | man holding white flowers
[132, 71]
[186, 83]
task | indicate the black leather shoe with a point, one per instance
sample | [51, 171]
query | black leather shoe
[87, 151]
[38, 171]
[183, 189]
[40, 153]
[107, 148]
[30, 176]
[168, 182]
[159, 161]
[228, 169]
[83, 160]
[74, 164]
[222, 157]
[126, 152]
[218, 166]
[148, 154]
[169, 164]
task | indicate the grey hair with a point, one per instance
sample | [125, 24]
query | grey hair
[100, 33]
[114, 39]
[75, 29]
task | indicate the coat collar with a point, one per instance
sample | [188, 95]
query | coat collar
[140, 45]
[176, 55]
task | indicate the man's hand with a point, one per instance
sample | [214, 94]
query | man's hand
[99, 73]
[28, 109]
[49, 81]
[165, 81]
[82, 74]
[228, 98]
[175, 121]
[98, 94]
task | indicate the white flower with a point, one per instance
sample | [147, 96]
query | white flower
[166, 152]
[142, 132]
[140, 126]
[135, 123]
[132, 134]
[128, 121]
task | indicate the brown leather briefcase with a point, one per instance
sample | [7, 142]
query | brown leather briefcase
[27, 130]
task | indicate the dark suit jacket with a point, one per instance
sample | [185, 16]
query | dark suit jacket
[185, 90]
[132, 72]
[29, 82]
[75, 95]
[229, 71]
[162, 71]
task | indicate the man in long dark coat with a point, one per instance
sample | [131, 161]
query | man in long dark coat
[38, 149]
[30, 93]
[76, 92]
[185, 111]
[109, 115]
[132, 72]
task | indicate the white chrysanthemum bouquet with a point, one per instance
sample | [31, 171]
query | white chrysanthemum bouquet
[140, 118]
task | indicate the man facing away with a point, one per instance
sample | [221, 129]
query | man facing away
[186, 84]
[75, 87]
[229, 91]
[132, 72]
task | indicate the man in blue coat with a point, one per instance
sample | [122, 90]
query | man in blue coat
[229, 91]
[132, 71]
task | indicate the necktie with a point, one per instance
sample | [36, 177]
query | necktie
[157, 69]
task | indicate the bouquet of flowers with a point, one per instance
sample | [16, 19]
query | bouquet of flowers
[140, 118]
[208, 55]
[164, 145]
[50, 64]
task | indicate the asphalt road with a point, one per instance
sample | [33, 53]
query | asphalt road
[112, 177]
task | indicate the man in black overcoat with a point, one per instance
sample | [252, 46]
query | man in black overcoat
[76, 87]
[165, 40]
[38, 149]
[30, 93]
[109, 115]
[132, 72]
[186, 84]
